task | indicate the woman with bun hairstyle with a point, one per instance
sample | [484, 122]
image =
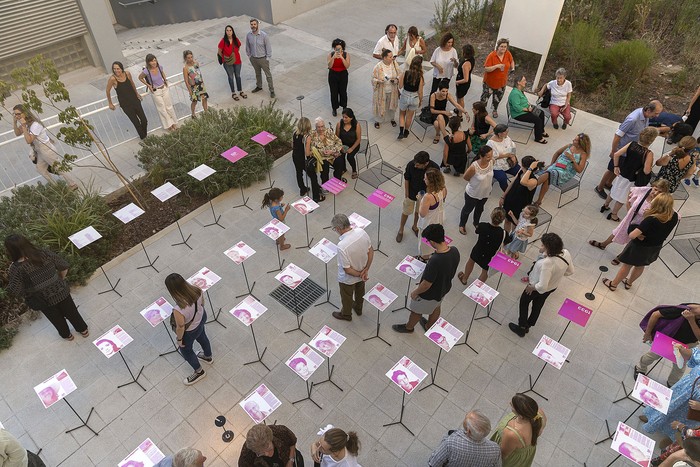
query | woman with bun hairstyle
[336, 448]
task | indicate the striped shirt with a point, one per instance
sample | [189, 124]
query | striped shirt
[459, 450]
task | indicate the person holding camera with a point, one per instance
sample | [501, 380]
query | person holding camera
[338, 64]
[385, 81]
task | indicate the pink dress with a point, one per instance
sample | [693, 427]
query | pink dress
[636, 196]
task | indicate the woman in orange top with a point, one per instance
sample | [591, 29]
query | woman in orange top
[496, 68]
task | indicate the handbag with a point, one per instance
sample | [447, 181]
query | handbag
[173, 324]
[693, 414]
[546, 98]
[536, 111]
[425, 115]
[665, 326]
[631, 227]
[640, 178]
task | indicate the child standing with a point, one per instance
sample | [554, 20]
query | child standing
[491, 236]
[278, 210]
[524, 229]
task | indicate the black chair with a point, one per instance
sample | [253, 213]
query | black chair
[574, 183]
[544, 219]
[379, 173]
[530, 127]
[421, 123]
[688, 248]
[364, 142]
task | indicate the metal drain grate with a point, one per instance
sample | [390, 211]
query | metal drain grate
[364, 45]
[299, 300]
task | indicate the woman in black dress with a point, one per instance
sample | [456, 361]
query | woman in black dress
[39, 276]
[457, 146]
[646, 242]
[519, 194]
[464, 73]
[300, 150]
[128, 97]
[350, 133]
[491, 237]
[482, 127]
[438, 109]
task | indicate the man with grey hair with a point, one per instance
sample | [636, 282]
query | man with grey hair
[355, 255]
[185, 457]
[468, 447]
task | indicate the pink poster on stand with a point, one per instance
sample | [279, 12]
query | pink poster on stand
[264, 138]
[380, 198]
[663, 345]
[505, 264]
[572, 311]
[234, 154]
[334, 185]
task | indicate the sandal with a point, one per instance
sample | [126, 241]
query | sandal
[69, 338]
[399, 237]
[608, 283]
[355, 175]
[541, 141]
[611, 218]
[461, 278]
[628, 285]
[596, 244]
[235, 97]
[545, 135]
[415, 230]
[393, 123]
[85, 333]
[286, 246]
[376, 125]
[321, 199]
[604, 208]
[463, 231]
[243, 95]
[436, 140]
[494, 114]
[615, 262]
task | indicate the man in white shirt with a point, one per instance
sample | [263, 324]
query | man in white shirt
[355, 255]
[387, 41]
[550, 268]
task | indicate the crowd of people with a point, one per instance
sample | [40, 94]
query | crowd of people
[482, 155]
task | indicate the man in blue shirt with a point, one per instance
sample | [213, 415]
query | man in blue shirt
[627, 132]
[259, 51]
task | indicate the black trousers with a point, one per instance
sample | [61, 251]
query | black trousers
[338, 82]
[529, 117]
[62, 311]
[537, 299]
[471, 204]
[138, 119]
[299, 169]
[313, 179]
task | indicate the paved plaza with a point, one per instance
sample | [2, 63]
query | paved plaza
[580, 395]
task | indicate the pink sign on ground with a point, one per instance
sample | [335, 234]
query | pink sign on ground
[380, 198]
[505, 264]
[334, 185]
[663, 345]
[572, 311]
[264, 138]
[234, 154]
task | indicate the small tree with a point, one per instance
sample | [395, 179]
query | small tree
[76, 131]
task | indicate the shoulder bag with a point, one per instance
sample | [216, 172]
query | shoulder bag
[546, 98]
[631, 227]
[693, 414]
[173, 324]
[640, 178]
[665, 326]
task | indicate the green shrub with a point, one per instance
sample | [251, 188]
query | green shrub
[201, 141]
[7, 333]
[629, 61]
[48, 213]
[578, 47]
[443, 13]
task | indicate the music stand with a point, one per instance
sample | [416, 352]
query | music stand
[263, 139]
[83, 422]
[411, 375]
[445, 336]
[247, 311]
[239, 253]
[175, 347]
[150, 263]
[292, 276]
[113, 342]
[164, 193]
[328, 341]
[303, 356]
[233, 155]
[411, 268]
[379, 297]
[305, 206]
[274, 230]
[381, 199]
[58, 387]
[325, 250]
[334, 186]
[505, 265]
[200, 173]
[126, 215]
[83, 238]
[552, 353]
[205, 279]
[155, 314]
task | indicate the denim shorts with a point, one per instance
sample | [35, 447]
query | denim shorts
[409, 101]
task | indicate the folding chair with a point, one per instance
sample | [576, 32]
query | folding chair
[688, 248]
[543, 219]
[379, 173]
[548, 114]
[364, 142]
[416, 119]
[574, 183]
[513, 123]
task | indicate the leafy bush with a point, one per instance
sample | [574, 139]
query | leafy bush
[201, 141]
[48, 214]
[578, 47]
[629, 61]
[441, 18]
[7, 333]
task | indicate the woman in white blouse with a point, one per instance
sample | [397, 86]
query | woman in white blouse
[414, 45]
[560, 103]
[385, 81]
[444, 60]
[504, 160]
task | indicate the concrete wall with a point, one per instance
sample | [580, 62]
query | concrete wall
[282, 10]
[101, 41]
[178, 11]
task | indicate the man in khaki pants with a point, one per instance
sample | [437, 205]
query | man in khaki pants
[259, 51]
[355, 256]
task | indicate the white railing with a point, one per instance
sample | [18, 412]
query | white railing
[113, 128]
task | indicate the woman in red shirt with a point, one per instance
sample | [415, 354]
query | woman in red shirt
[338, 64]
[230, 58]
[496, 68]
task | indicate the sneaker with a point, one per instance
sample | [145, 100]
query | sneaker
[272, 94]
[257, 89]
[564, 125]
[205, 359]
[637, 372]
[555, 126]
[687, 181]
[401, 328]
[695, 182]
[194, 377]
[405, 133]
[517, 329]
[424, 323]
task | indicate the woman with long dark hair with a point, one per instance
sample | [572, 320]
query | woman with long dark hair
[464, 73]
[483, 126]
[128, 97]
[43, 152]
[229, 53]
[411, 99]
[350, 134]
[518, 431]
[190, 318]
[338, 64]
[154, 78]
[39, 277]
